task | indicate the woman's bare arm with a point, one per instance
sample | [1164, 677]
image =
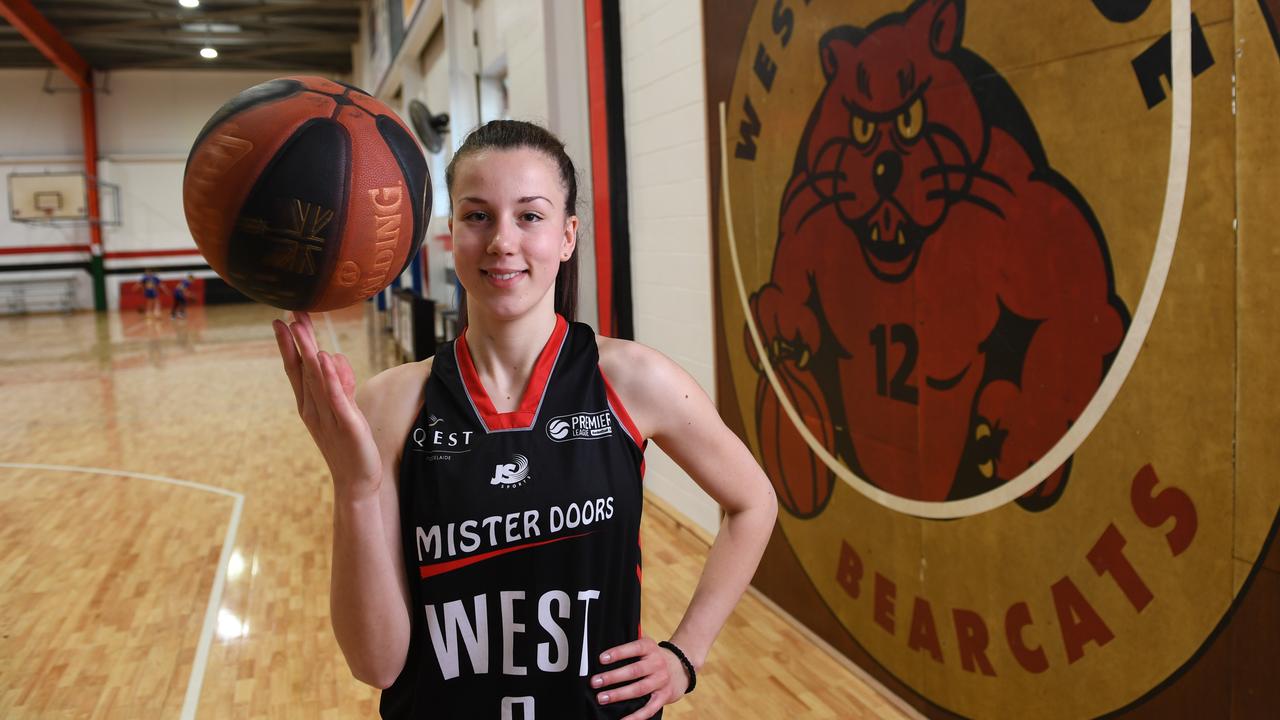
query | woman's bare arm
[669, 406]
[361, 436]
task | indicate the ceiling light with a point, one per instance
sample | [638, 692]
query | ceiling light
[189, 3]
[208, 53]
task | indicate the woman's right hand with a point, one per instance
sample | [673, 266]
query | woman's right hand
[324, 387]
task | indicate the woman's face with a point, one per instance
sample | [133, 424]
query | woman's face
[510, 230]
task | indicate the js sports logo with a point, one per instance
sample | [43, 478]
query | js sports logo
[512, 474]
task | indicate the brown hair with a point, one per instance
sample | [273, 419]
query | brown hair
[510, 135]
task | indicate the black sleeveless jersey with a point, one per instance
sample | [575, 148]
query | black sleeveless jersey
[521, 535]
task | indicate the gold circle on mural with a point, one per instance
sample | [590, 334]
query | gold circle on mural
[1115, 580]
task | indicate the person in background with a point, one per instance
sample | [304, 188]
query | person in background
[151, 289]
[180, 294]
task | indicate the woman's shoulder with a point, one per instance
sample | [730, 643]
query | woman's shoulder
[626, 362]
[400, 377]
[646, 380]
[393, 397]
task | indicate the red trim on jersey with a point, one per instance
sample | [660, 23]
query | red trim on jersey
[615, 404]
[640, 577]
[523, 416]
[441, 568]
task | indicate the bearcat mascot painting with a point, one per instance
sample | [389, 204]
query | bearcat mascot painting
[941, 304]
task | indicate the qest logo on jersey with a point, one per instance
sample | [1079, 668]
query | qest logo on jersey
[580, 426]
[438, 442]
[938, 229]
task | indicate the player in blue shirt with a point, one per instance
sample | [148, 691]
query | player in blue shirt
[151, 289]
[180, 294]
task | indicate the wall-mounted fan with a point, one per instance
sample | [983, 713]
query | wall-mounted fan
[429, 127]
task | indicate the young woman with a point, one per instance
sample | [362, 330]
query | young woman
[486, 559]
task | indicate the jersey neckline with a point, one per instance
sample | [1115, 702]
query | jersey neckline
[526, 413]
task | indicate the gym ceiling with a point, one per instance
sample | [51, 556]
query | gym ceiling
[314, 35]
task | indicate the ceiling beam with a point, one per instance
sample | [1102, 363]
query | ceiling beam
[320, 48]
[83, 15]
[45, 37]
[225, 62]
[278, 35]
[196, 16]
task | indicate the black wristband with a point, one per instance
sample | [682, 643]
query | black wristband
[688, 666]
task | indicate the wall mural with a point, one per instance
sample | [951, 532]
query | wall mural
[983, 313]
[980, 357]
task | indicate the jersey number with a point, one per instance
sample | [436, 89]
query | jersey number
[898, 388]
[526, 708]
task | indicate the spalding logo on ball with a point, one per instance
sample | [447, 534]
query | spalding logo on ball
[306, 194]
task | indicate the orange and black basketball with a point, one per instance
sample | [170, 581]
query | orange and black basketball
[306, 194]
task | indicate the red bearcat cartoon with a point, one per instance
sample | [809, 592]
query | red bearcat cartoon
[941, 305]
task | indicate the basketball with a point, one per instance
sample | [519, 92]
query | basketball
[802, 482]
[306, 194]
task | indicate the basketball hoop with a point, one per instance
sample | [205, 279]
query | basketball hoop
[61, 198]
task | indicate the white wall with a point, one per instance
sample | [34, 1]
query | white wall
[512, 36]
[664, 100]
[433, 71]
[569, 116]
[160, 111]
[35, 122]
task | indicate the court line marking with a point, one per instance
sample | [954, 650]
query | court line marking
[1126, 356]
[196, 681]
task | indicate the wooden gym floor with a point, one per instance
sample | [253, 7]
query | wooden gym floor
[164, 537]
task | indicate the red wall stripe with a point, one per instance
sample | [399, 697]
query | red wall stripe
[36, 249]
[122, 255]
[600, 165]
[125, 254]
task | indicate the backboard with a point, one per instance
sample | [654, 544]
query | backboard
[59, 196]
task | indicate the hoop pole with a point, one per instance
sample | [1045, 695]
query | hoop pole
[89, 125]
[38, 31]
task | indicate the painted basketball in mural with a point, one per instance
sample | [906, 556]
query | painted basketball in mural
[803, 483]
[937, 286]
